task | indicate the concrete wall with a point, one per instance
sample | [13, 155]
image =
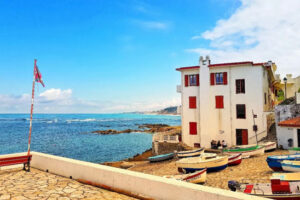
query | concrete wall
[132, 182]
[165, 147]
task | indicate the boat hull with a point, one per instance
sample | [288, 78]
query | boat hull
[160, 158]
[291, 166]
[192, 153]
[190, 165]
[269, 146]
[234, 159]
[248, 152]
[198, 177]
[274, 162]
[286, 176]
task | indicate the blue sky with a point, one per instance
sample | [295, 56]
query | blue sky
[114, 56]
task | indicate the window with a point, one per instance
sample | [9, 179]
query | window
[192, 102]
[241, 111]
[219, 102]
[218, 78]
[191, 80]
[240, 86]
[193, 128]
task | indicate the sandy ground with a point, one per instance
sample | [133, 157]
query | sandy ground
[251, 168]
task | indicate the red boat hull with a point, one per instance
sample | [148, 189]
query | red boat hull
[235, 160]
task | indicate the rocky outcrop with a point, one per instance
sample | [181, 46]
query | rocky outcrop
[148, 128]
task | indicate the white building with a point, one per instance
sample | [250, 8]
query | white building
[218, 100]
[288, 133]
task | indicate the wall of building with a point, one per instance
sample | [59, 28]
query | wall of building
[286, 133]
[225, 120]
[187, 114]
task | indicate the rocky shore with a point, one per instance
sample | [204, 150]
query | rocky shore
[145, 128]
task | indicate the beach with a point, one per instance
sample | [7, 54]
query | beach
[255, 168]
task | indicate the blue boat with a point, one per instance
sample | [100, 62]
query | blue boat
[274, 162]
[161, 157]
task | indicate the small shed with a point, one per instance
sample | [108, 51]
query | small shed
[288, 133]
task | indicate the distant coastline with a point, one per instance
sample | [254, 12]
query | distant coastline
[171, 111]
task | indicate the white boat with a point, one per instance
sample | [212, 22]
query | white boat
[190, 153]
[246, 151]
[269, 146]
[210, 161]
[286, 176]
[290, 166]
[196, 177]
[294, 150]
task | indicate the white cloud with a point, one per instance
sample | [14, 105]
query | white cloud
[61, 101]
[259, 31]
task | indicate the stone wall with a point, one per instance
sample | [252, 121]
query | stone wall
[166, 147]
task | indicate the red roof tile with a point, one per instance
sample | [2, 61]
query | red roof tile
[191, 67]
[294, 122]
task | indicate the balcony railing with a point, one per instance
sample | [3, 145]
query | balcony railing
[178, 88]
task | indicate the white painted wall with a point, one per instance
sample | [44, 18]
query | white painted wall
[286, 133]
[189, 115]
[129, 181]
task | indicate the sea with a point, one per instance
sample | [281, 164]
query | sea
[70, 135]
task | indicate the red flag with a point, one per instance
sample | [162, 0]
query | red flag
[38, 76]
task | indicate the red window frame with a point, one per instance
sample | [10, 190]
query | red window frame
[192, 102]
[191, 80]
[193, 128]
[219, 102]
[213, 78]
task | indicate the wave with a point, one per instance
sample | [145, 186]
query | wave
[81, 120]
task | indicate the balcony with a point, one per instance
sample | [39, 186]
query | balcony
[178, 89]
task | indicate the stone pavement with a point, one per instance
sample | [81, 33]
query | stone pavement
[16, 184]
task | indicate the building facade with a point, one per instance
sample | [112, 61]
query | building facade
[218, 101]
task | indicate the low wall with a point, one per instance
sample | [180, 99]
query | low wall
[165, 147]
[132, 182]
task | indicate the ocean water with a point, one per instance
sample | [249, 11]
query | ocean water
[70, 135]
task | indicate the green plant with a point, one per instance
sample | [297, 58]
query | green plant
[299, 90]
[280, 95]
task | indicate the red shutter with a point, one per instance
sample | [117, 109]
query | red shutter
[212, 78]
[186, 80]
[192, 102]
[225, 78]
[219, 102]
[197, 79]
[193, 128]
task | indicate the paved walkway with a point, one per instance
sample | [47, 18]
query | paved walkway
[16, 184]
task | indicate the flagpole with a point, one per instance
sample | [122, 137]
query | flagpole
[31, 111]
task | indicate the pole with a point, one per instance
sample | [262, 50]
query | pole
[254, 126]
[31, 111]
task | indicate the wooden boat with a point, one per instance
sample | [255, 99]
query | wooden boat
[290, 166]
[210, 161]
[274, 162]
[196, 177]
[191, 153]
[161, 157]
[294, 150]
[277, 189]
[269, 146]
[286, 176]
[247, 151]
[234, 159]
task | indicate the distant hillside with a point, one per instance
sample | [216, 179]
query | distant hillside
[169, 110]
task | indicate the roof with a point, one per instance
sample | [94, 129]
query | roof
[294, 122]
[222, 65]
[190, 67]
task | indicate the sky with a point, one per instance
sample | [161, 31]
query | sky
[100, 56]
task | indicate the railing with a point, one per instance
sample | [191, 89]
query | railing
[159, 137]
[178, 89]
